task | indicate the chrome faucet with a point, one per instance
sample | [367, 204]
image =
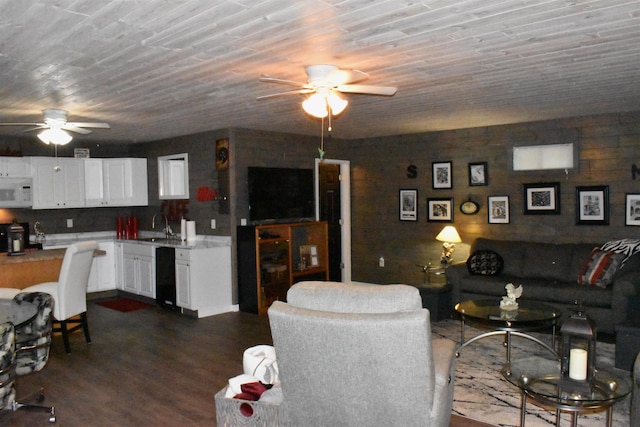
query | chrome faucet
[167, 228]
[153, 222]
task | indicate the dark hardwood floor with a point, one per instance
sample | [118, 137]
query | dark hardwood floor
[150, 367]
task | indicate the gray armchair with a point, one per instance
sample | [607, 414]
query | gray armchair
[635, 399]
[358, 354]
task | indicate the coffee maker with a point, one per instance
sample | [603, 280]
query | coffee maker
[15, 239]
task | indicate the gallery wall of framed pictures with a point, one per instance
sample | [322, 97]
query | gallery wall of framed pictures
[592, 205]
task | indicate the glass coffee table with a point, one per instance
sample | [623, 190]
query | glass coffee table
[537, 378]
[486, 313]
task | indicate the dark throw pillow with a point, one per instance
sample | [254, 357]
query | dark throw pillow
[600, 268]
[485, 262]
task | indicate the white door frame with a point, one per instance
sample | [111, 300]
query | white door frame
[345, 210]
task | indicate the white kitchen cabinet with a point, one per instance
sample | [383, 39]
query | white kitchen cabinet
[116, 182]
[203, 280]
[138, 269]
[103, 269]
[15, 167]
[119, 264]
[58, 183]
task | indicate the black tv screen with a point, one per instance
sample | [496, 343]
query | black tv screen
[280, 194]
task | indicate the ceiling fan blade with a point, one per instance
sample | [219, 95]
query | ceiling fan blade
[38, 126]
[95, 125]
[368, 90]
[76, 129]
[22, 124]
[282, 81]
[343, 77]
[302, 91]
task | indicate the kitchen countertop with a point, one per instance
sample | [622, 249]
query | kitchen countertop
[202, 242]
[34, 256]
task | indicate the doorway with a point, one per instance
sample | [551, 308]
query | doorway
[333, 204]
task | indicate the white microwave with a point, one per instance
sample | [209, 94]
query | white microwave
[15, 193]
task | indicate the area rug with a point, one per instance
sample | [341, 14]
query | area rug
[480, 392]
[124, 305]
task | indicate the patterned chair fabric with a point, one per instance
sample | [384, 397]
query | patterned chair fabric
[33, 340]
[7, 365]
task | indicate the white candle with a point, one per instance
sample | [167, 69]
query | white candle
[578, 364]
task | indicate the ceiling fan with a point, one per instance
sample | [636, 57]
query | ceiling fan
[324, 82]
[55, 126]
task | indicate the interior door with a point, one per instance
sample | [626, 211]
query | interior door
[329, 192]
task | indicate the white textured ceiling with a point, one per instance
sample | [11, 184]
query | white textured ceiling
[160, 68]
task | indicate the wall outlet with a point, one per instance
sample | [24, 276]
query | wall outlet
[69, 223]
[213, 224]
[243, 221]
[381, 262]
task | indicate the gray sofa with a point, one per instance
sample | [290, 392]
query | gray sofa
[549, 273]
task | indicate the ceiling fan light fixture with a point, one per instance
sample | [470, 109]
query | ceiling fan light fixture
[336, 103]
[55, 136]
[316, 105]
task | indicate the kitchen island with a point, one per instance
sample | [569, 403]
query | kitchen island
[31, 268]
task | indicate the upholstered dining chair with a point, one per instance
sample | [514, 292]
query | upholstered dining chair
[635, 396]
[70, 291]
[358, 354]
[33, 341]
[7, 365]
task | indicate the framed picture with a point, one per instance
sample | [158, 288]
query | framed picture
[408, 205]
[498, 209]
[442, 177]
[222, 154]
[478, 174]
[542, 198]
[632, 216]
[592, 205]
[83, 153]
[440, 210]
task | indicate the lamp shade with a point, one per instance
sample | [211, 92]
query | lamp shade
[322, 102]
[316, 105]
[449, 234]
[336, 103]
[54, 136]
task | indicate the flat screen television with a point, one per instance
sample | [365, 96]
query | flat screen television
[280, 194]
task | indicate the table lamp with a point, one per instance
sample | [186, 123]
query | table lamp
[449, 235]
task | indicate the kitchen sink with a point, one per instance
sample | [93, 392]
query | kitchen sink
[159, 240]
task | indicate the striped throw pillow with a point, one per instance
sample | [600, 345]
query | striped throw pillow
[600, 268]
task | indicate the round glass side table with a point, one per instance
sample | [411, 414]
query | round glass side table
[538, 378]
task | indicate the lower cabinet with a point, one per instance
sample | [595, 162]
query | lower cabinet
[138, 269]
[103, 269]
[203, 280]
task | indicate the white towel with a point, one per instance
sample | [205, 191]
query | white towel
[235, 384]
[260, 362]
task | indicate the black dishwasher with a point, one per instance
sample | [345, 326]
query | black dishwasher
[166, 277]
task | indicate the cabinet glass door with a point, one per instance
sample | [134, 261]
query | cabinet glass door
[274, 271]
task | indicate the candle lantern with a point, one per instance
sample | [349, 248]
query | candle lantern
[578, 353]
[15, 236]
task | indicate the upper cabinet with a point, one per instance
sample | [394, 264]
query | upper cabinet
[15, 167]
[69, 182]
[173, 176]
[116, 182]
[58, 183]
